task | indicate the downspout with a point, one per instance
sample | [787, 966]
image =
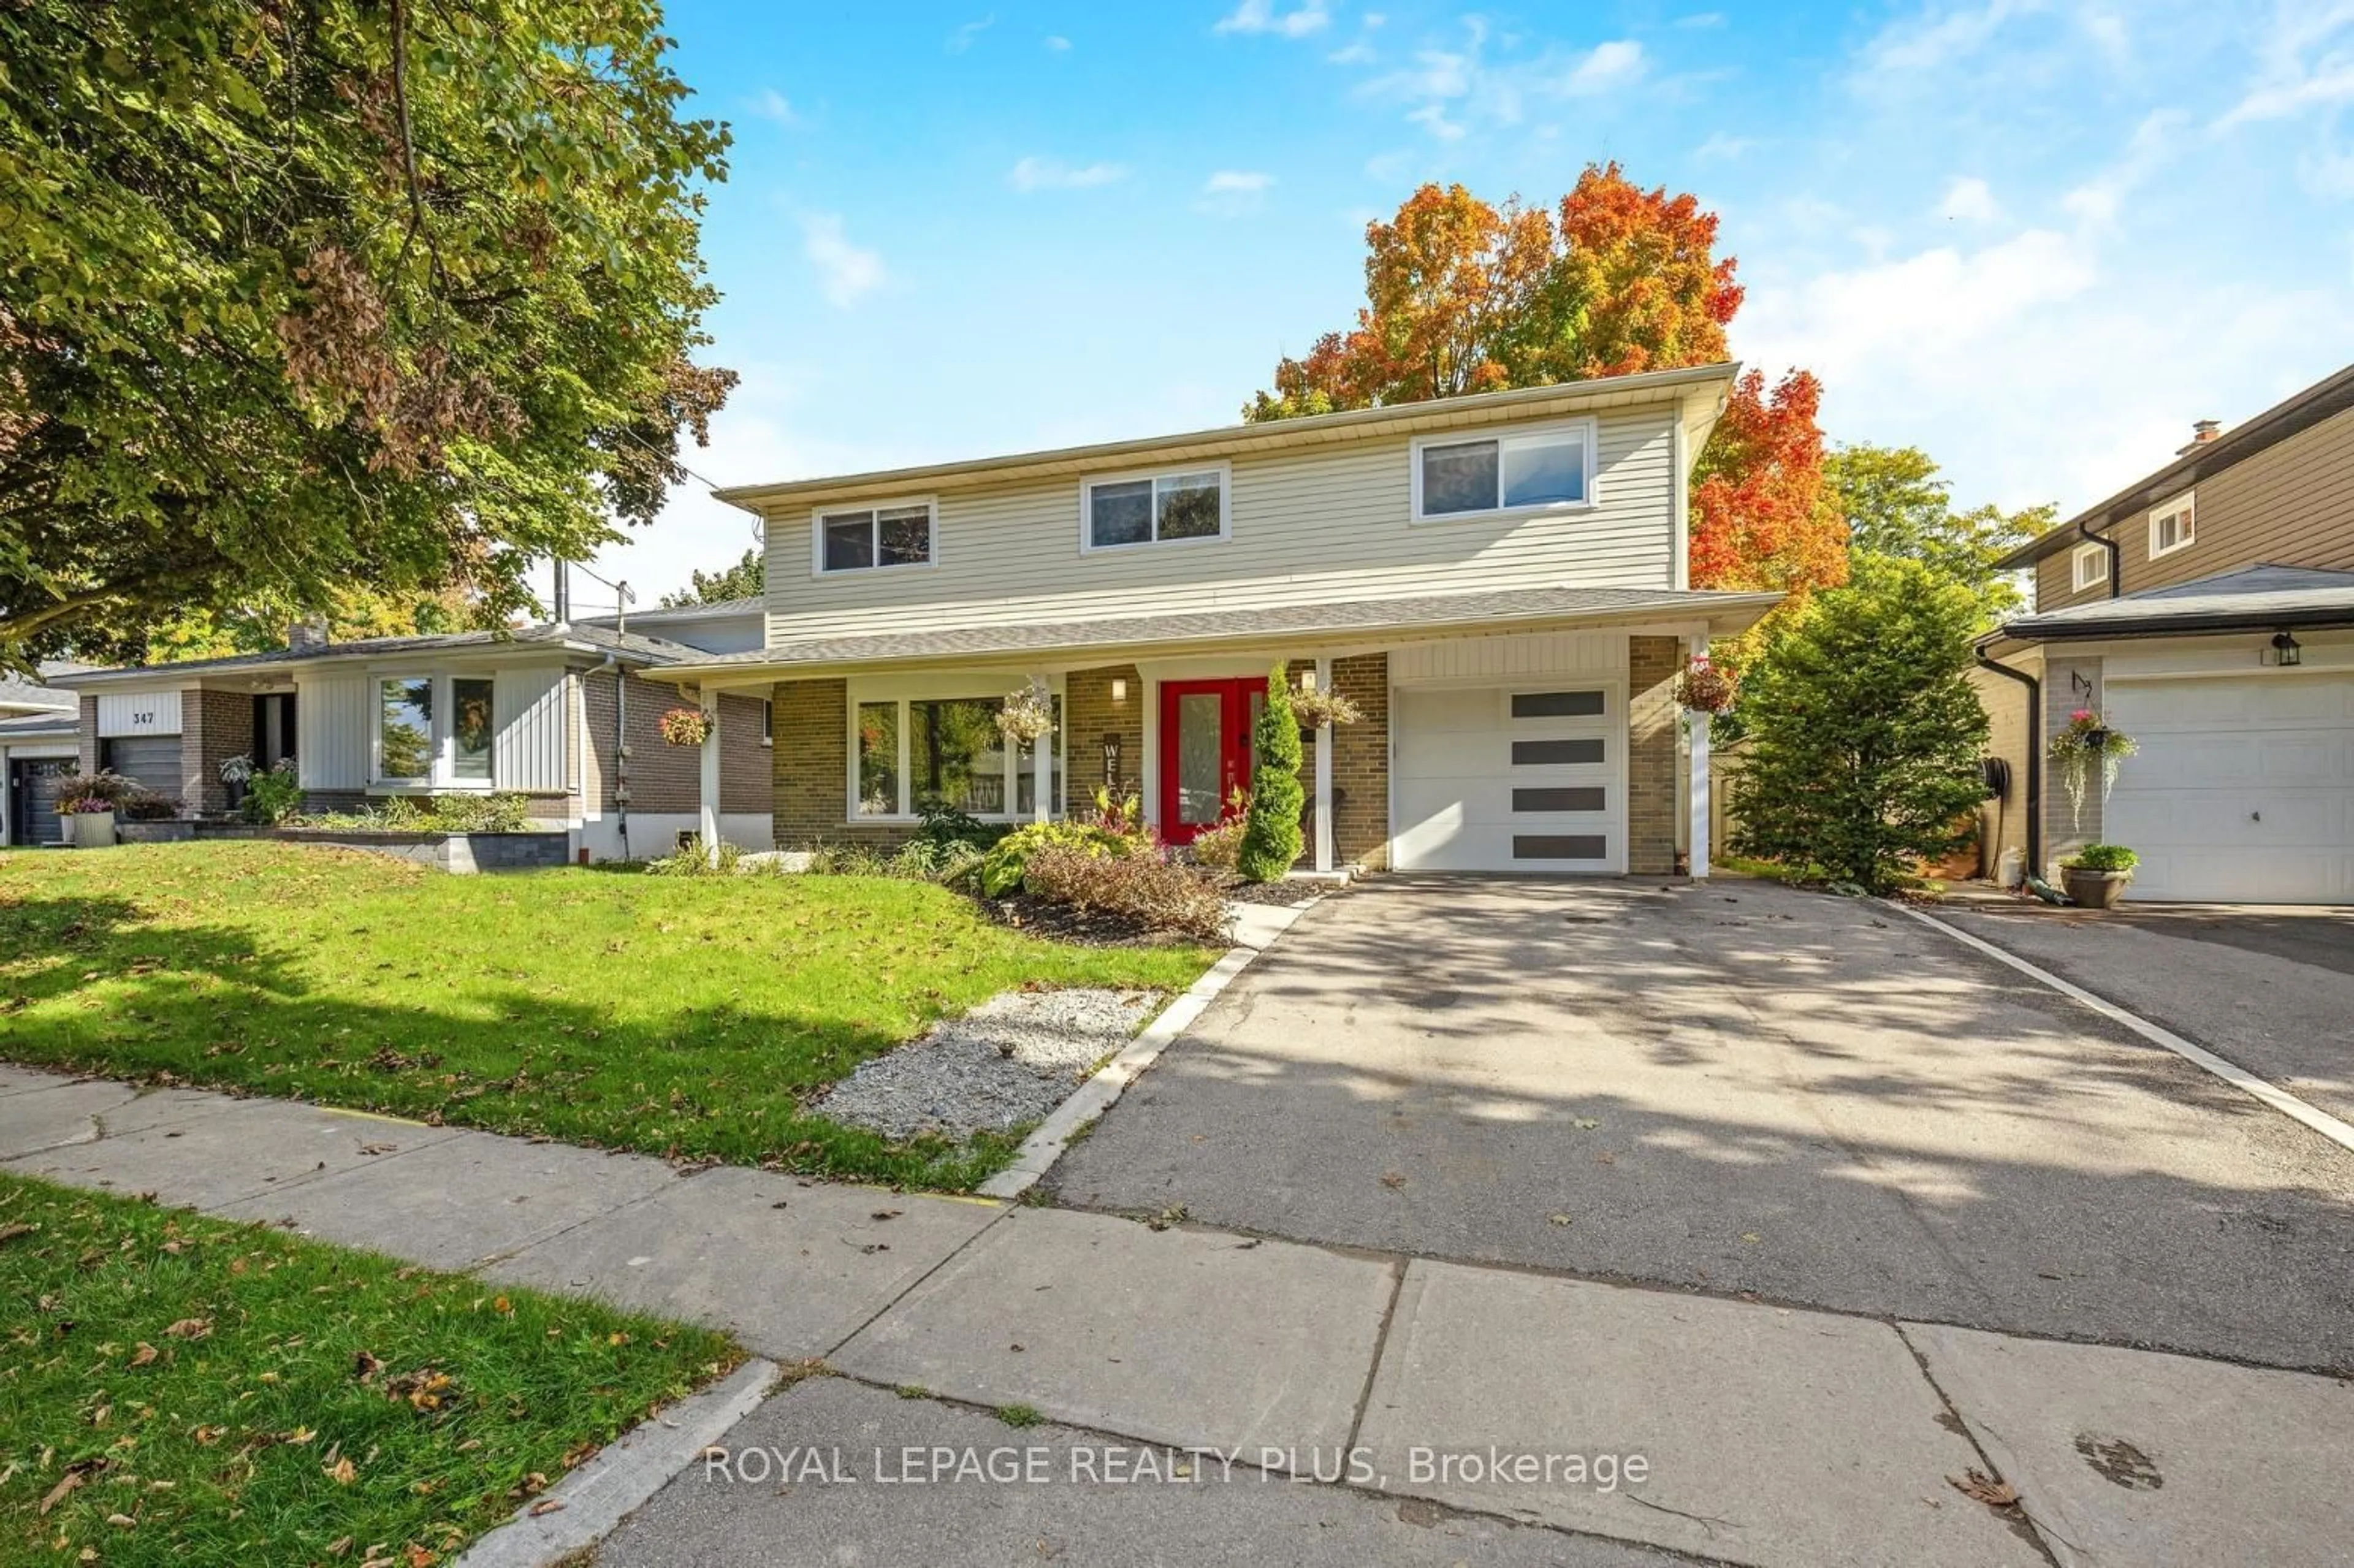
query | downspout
[2034, 756]
[620, 749]
[2116, 557]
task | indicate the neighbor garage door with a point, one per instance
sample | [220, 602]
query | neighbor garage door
[2243, 787]
[1527, 778]
[33, 790]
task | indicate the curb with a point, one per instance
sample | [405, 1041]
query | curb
[1257, 928]
[618, 1479]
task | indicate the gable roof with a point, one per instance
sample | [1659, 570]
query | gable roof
[579, 637]
[2259, 598]
[1702, 388]
[19, 693]
[2322, 400]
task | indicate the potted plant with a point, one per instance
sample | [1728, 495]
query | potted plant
[1704, 688]
[236, 772]
[2086, 747]
[1320, 709]
[685, 727]
[90, 821]
[2095, 876]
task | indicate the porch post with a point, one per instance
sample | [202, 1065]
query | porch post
[1697, 835]
[1043, 764]
[1323, 774]
[709, 825]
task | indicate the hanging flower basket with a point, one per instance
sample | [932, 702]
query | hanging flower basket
[1027, 713]
[685, 727]
[1704, 688]
[1319, 709]
[2088, 747]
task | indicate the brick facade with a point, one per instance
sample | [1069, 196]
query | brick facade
[665, 778]
[1361, 764]
[1096, 722]
[811, 772]
[1652, 664]
[2070, 683]
[214, 727]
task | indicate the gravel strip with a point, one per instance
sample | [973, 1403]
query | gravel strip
[1007, 1063]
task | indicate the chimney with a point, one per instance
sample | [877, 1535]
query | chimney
[308, 635]
[2202, 432]
[561, 592]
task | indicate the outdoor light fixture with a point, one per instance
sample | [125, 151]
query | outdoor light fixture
[2286, 652]
[1119, 690]
[1307, 680]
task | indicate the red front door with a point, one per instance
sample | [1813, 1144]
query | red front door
[1205, 751]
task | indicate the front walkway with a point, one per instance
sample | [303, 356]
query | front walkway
[1765, 1434]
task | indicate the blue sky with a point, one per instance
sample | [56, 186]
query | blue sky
[2036, 240]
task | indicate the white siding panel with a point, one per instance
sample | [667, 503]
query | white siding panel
[1325, 523]
[331, 729]
[528, 706]
[1490, 657]
[139, 713]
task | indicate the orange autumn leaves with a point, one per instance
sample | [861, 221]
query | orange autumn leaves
[1462, 296]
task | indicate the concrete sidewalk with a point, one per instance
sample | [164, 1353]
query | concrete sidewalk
[1765, 1435]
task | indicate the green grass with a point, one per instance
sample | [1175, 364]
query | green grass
[690, 1017]
[207, 1382]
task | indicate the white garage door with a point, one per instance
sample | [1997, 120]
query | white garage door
[1527, 778]
[2242, 790]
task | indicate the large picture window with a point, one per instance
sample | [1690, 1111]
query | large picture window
[1516, 470]
[1149, 509]
[405, 729]
[873, 537]
[436, 731]
[916, 753]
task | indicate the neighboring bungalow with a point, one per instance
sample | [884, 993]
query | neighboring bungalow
[564, 714]
[37, 753]
[1498, 581]
[2207, 612]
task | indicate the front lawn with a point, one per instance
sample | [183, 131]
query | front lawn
[182, 1392]
[681, 1016]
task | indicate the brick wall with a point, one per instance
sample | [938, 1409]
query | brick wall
[88, 733]
[2066, 831]
[662, 776]
[1093, 717]
[214, 727]
[811, 772]
[1652, 664]
[1361, 764]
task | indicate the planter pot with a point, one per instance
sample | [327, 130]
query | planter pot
[2095, 889]
[236, 793]
[91, 829]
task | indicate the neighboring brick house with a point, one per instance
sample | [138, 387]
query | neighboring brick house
[2206, 610]
[565, 715]
[1498, 581]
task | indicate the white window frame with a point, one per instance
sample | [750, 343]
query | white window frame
[443, 740]
[818, 515]
[2184, 506]
[901, 691]
[1587, 430]
[2079, 579]
[768, 721]
[1224, 471]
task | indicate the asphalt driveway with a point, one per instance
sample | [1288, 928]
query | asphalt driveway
[1741, 1089]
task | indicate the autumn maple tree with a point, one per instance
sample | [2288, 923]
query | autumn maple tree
[1463, 295]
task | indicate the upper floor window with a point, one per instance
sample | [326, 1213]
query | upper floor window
[1150, 509]
[1517, 471]
[2171, 526]
[874, 537]
[2091, 564]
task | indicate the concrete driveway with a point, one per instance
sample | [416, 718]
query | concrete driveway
[1740, 1089]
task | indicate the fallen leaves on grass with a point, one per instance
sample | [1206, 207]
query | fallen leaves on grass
[191, 1329]
[77, 1475]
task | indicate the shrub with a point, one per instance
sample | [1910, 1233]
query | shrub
[2103, 857]
[1864, 733]
[270, 798]
[944, 824]
[932, 860]
[848, 860]
[146, 806]
[689, 860]
[1155, 894]
[1271, 838]
[1220, 847]
[105, 785]
[1003, 868]
[433, 814]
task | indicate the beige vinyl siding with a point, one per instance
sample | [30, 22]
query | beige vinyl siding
[1532, 655]
[528, 709]
[332, 715]
[2291, 504]
[1330, 521]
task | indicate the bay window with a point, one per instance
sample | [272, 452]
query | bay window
[916, 752]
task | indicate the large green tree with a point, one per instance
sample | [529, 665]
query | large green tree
[748, 579]
[1899, 508]
[305, 294]
[1864, 733]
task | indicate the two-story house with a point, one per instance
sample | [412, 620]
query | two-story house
[1497, 582]
[2207, 612]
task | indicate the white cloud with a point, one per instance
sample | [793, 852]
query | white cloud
[2308, 63]
[770, 104]
[1702, 20]
[1721, 147]
[966, 35]
[846, 273]
[1605, 68]
[1236, 182]
[1969, 199]
[1261, 16]
[1034, 174]
[1057, 44]
[1359, 53]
